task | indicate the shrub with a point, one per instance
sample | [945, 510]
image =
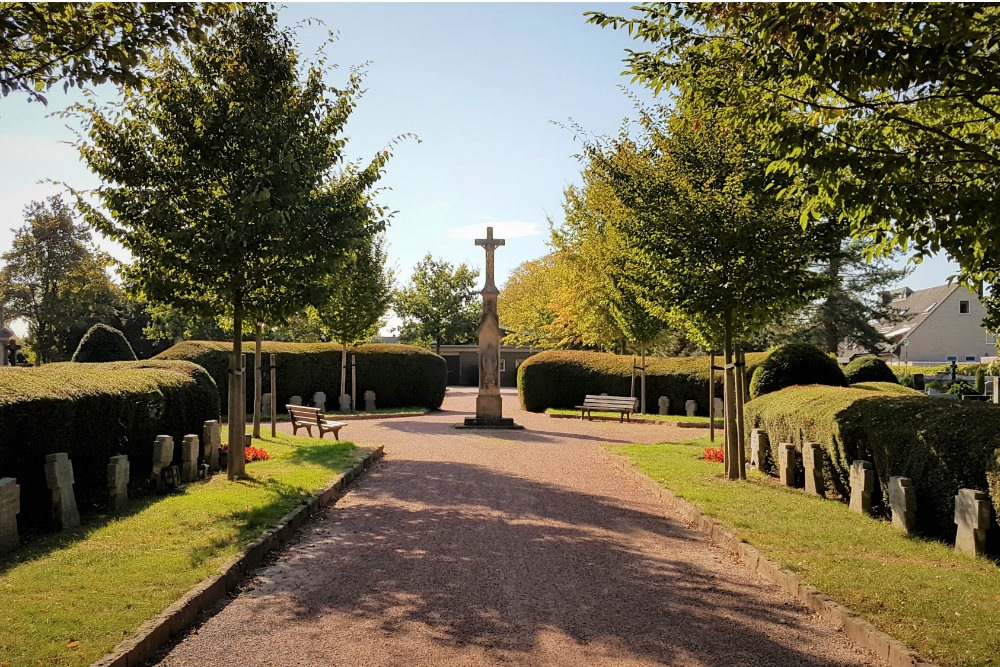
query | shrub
[941, 446]
[400, 375]
[980, 381]
[793, 364]
[868, 369]
[103, 343]
[888, 388]
[962, 389]
[93, 412]
[562, 378]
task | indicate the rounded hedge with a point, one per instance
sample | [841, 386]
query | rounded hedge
[93, 412]
[868, 369]
[795, 364]
[562, 378]
[400, 375]
[103, 343]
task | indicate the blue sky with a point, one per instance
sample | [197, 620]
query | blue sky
[482, 85]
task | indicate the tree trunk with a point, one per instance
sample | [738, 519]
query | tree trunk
[343, 373]
[831, 334]
[274, 396]
[741, 457]
[711, 397]
[642, 383]
[236, 464]
[258, 387]
[732, 449]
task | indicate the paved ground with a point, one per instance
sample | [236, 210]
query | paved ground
[507, 548]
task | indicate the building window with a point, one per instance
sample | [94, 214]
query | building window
[968, 358]
[951, 357]
[963, 307]
[503, 365]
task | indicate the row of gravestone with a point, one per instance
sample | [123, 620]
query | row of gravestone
[972, 507]
[690, 406]
[319, 401]
[196, 462]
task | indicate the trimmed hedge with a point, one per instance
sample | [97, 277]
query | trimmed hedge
[561, 379]
[400, 375]
[103, 343]
[793, 364]
[93, 412]
[868, 369]
[941, 445]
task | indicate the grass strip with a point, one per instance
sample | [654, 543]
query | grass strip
[944, 605]
[68, 599]
[635, 415]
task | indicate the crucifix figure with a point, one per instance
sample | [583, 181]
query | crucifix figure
[491, 244]
[489, 409]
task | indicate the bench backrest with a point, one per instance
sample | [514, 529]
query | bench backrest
[611, 402]
[302, 413]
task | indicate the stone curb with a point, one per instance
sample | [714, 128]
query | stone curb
[642, 420]
[173, 620]
[857, 629]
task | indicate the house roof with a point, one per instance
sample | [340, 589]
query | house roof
[914, 308]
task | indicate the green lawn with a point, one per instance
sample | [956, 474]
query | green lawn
[283, 416]
[68, 599]
[944, 605]
[636, 415]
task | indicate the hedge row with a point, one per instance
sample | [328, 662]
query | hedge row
[941, 445]
[561, 379]
[92, 412]
[400, 375]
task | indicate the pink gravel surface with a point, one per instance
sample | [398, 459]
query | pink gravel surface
[506, 548]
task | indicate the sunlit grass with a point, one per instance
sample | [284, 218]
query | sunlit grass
[68, 599]
[944, 605]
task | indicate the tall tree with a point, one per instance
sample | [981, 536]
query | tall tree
[358, 298]
[892, 108]
[707, 244]
[54, 279]
[78, 43]
[219, 178]
[440, 304]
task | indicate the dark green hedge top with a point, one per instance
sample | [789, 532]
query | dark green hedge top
[103, 343]
[868, 369]
[795, 364]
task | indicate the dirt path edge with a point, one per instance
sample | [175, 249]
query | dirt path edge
[172, 621]
[857, 629]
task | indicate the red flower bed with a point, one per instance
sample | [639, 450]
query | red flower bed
[714, 454]
[252, 453]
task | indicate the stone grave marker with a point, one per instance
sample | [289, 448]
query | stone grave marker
[319, 401]
[759, 446]
[903, 501]
[787, 473]
[295, 400]
[664, 405]
[972, 515]
[720, 407]
[812, 462]
[862, 486]
[189, 457]
[118, 474]
[10, 507]
[345, 403]
[163, 455]
[369, 401]
[59, 478]
[211, 440]
[265, 403]
[690, 407]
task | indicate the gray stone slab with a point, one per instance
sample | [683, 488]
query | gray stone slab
[862, 486]
[663, 404]
[369, 401]
[345, 403]
[190, 446]
[812, 464]
[760, 446]
[972, 516]
[59, 479]
[319, 401]
[118, 474]
[690, 407]
[211, 441]
[163, 456]
[10, 507]
[787, 472]
[903, 501]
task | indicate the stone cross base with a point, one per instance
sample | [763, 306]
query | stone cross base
[489, 406]
[490, 422]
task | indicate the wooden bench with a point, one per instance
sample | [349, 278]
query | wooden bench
[305, 417]
[621, 404]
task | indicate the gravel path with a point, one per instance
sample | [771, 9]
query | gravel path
[507, 548]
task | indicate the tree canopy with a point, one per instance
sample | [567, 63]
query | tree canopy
[891, 109]
[440, 305]
[79, 43]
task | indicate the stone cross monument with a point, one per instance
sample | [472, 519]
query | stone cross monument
[489, 408]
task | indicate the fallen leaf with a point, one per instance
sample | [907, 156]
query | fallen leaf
[72, 644]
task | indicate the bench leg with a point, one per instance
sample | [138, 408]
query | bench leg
[336, 434]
